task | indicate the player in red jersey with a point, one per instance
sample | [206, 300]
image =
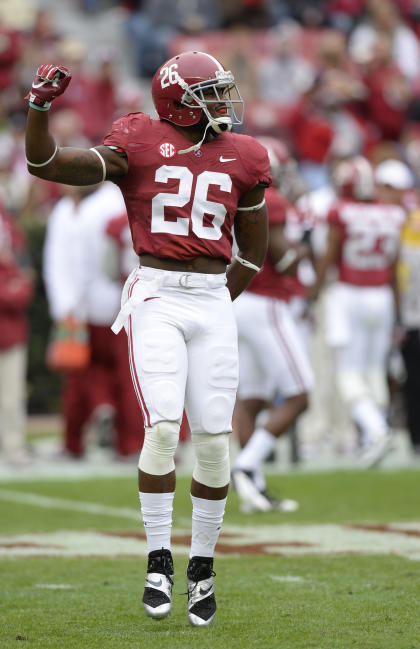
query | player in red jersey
[187, 181]
[363, 243]
[273, 360]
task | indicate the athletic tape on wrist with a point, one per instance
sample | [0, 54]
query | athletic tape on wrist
[102, 162]
[42, 164]
[287, 260]
[247, 264]
[41, 108]
[37, 103]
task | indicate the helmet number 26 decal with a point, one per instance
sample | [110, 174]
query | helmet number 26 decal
[201, 206]
[169, 75]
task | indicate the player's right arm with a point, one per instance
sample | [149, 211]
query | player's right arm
[71, 166]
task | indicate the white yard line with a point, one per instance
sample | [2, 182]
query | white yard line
[71, 505]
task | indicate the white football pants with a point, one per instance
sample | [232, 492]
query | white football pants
[359, 323]
[272, 358]
[183, 351]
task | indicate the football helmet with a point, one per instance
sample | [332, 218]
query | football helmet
[353, 178]
[179, 91]
[283, 167]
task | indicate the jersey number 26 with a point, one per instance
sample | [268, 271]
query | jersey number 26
[201, 205]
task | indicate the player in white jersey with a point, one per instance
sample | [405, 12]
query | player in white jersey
[326, 423]
[363, 244]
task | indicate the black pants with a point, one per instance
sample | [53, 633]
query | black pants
[411, 353]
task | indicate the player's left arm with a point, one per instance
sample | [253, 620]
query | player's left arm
[286, 255]
[330, 258]
[251, 234]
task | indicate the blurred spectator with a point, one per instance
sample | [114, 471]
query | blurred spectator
[342, 14]
[407, 334]
[236, 57]
[14, 179]
[16, 292]
[325, 121]
[152, 27]
[78, 288]
[284, 74]
[409, 282]
[384, 16]
[310, 13]
[40, 42]
[10, 52]
[388, 91]
[256, 14]
[312, 135]
[92, 95]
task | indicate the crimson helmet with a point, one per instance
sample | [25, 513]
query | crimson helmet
[178, 91]
[353, 178]
[283, 167]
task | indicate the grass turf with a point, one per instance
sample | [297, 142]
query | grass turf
[341, 603]
[306, 602]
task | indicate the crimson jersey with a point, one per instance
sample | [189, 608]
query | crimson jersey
[183, 205]
[118, 230]
[268, 281]
[370, 240]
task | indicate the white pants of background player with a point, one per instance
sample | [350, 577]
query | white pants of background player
[359, 323]
[272, 362]
[182, 341]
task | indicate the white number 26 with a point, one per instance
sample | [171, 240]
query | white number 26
[201, 205]
[169, 76]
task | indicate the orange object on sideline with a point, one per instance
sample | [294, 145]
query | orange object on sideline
[69, 348]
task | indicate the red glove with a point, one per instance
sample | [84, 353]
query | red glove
[49, 82]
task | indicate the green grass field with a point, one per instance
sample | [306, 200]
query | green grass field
[343, 572]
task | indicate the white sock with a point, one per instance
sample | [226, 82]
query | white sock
[370, 419]
[259, 479]
[258, 448]
[156, 510]
[207, 518]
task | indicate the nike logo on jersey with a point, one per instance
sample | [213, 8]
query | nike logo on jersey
[222, 159]
[154, 297]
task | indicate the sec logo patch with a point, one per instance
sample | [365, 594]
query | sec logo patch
[167, 150]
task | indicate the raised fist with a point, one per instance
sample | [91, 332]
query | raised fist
[49, 82]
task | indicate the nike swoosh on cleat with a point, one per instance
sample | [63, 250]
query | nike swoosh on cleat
[222, 159]
[156, 584]
[204, 592]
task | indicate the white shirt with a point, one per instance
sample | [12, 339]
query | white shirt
[75, 281]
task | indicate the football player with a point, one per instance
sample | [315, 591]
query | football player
[363, 242]
[273, 359]
[188, 182]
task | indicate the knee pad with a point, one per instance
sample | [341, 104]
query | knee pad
[212, 467]
[351, 386]
[160, 442]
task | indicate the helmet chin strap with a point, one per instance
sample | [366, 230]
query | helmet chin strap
[220, 126]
